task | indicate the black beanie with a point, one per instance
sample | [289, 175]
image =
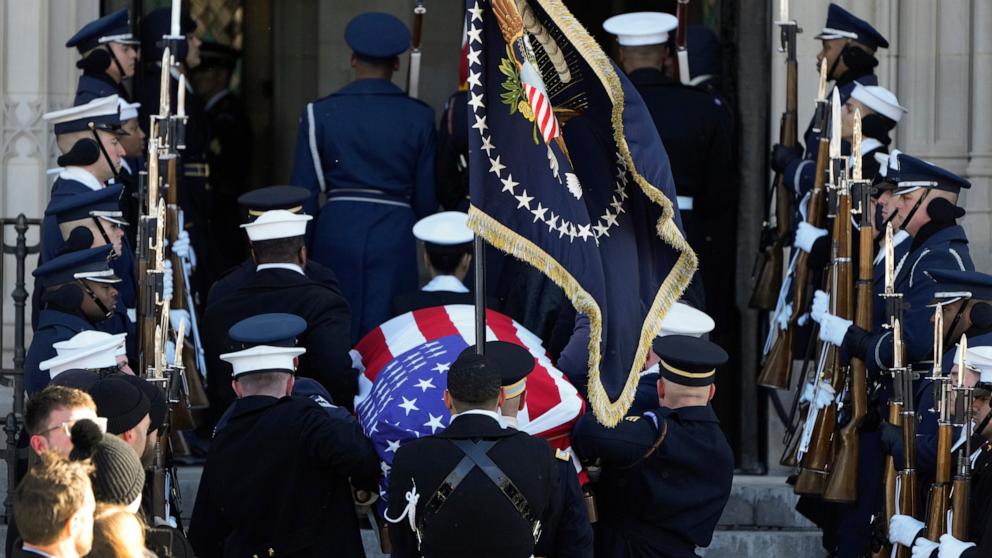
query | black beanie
[122, 404]
[117, 476]
[158, 407]
[77, 378]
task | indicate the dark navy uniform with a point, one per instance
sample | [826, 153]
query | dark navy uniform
[282, 290]
[370, 148]
[452, 154]
[95, 82]
[666, 474]
[229, 282]
[53, 326]
[295, 502]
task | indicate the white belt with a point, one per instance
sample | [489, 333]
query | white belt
[685, 203]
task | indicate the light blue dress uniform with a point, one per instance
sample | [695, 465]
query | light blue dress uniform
[370, 149]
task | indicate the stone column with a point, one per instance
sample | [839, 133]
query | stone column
[979, 169]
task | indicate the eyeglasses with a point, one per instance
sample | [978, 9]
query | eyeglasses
[66, 426]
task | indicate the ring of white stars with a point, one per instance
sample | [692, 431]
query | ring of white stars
[556, 223]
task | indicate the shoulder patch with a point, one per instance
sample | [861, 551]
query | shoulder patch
[632, 419]
[563, 455]
[318, 399]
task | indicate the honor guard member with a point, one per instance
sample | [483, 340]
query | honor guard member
[195, 191]
[567, 532]
[254, 204]
[279, 285]
[79, 293]
[92, 219]
[447, 257]
[681, 319]
[849, 45]
[132, 165]
[666, 474]
[109, 56]
[476, 488]
[370, 149]
[297, 500]
[87, 350]
[230, 150]
[925, 198]
[880, 113]
[698, 142]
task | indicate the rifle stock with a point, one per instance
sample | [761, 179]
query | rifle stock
[889, 483]
[936, 519]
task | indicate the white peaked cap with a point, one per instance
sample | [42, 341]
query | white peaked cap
[683, 319]
[641, 28]
[263, 357]
[445, 228]
[129, 111]
[102, 106]
[88, 350]
[277, 223]
[880, 100]
[980, 358]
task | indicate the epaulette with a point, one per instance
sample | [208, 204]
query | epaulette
[563, 455]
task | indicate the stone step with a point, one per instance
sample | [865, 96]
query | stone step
[765, 502]
[768, 543]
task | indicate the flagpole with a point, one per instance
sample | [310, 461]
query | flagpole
[479, 260]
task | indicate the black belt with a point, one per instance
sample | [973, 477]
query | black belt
[476, 456]
[196, 170]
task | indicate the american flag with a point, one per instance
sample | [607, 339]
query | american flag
[406, 361]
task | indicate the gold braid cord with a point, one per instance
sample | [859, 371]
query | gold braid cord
[607, 412]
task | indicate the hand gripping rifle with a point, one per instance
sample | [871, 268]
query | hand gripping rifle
[774, 234]
[940, 490]
[817, 463]
[777, 369]
[681, 52]
[894, 310]
[843, 483]
[413, 78]
[960, 499]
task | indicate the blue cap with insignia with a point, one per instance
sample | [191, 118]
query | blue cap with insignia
[641, 28]
[513, 363]
[111, 28]
[955, 284]
[842, 24]
[689, 361]
[914, 173]
[377, 35]
[103, 203]
[92, 264]
[288, 198]
[275, 329]
[158, 23]
[98, 114]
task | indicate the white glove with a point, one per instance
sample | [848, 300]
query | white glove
[182, 248]
[951, 547]
[807, 395]
[784, 316]
[177, 317]
[833, 329]
[924, 547]
[824, 396]
[903, 529]
[167, 280]
[821, 305]
[806, 235]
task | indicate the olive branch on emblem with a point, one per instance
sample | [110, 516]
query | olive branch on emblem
[513, 96]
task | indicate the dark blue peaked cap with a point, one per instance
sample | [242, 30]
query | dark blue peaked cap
[377, 35]
[843, 24]
[276, 329]
[92, 264]
[917, 173]
[158, 23]
[704, 56]
[290, 198]
[112, 28]
[96, 203]
[688, 360]
[954, 283]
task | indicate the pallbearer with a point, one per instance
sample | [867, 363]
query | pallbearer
[447, 258]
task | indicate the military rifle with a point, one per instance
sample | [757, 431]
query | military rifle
[961, 495]
[936, 518]
[681, 52]
[413, 78]
[843, 483]
[904, 377]
[816, 465]
[770, 257]
[777, 369]
[894, 309]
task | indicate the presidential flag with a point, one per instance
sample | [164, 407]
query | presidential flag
[404, 365]
[567, 173]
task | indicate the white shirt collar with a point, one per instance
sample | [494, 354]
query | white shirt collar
[445, 283]
[33, 550]
[289, 266]
[126, 166]
[897, 238]
[217, 97]
[867, 146]
[491, 414]
[82, 175]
